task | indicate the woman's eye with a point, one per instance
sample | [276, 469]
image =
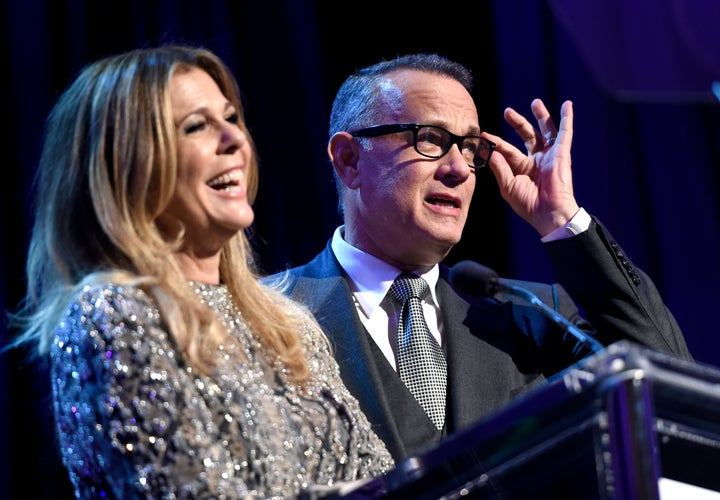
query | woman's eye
[233, 118]
[194, 127]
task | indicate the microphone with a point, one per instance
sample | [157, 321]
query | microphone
[475, 279]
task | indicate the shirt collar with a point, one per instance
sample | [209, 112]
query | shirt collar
[370, 277]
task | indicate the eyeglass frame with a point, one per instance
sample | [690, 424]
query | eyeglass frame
[394, 128]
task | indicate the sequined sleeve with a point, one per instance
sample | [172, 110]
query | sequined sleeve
[369, 448]
[128, 424]
[134, 421]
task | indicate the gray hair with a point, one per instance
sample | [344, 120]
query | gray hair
[364, 95]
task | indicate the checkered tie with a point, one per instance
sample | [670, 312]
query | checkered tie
[421, 362]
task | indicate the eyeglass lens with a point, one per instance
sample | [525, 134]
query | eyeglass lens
[435, 142]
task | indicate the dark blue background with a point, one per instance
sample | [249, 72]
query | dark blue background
[646, 151]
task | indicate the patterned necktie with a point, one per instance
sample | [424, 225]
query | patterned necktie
[421, 362]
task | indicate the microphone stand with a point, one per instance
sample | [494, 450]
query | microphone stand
[559, 320]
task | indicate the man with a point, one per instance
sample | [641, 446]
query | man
[405, 142]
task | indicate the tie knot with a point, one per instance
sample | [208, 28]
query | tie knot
[409, 285]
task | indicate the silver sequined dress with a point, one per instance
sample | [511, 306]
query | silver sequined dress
[134, 421]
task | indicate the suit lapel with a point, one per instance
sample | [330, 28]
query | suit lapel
[322, 287]
[475, 380]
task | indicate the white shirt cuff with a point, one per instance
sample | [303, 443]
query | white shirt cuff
[578, 224]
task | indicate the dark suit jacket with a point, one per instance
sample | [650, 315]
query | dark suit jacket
[496, 347]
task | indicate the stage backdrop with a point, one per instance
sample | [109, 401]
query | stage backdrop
[646, 150]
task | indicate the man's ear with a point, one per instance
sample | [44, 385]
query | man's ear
[344, 155]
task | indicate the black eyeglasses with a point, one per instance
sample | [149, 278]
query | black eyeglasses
[435, 142]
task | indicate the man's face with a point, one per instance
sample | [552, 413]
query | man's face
[407, 209]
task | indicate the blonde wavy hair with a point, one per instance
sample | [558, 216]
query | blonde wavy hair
[107, 171]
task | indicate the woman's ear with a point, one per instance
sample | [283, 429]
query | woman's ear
[344, 155]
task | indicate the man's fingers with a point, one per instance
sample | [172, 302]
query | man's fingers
[522, 127]
[545, 123]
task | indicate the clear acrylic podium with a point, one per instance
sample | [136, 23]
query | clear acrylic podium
[614, 426]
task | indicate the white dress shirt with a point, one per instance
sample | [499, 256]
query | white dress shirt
[371, 278]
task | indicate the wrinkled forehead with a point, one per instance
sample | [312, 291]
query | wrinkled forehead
[423, 97]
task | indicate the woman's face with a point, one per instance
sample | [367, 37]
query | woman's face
[213, 157]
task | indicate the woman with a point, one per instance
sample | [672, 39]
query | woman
[175, 373]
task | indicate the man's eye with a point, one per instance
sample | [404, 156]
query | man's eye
[431, 136]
